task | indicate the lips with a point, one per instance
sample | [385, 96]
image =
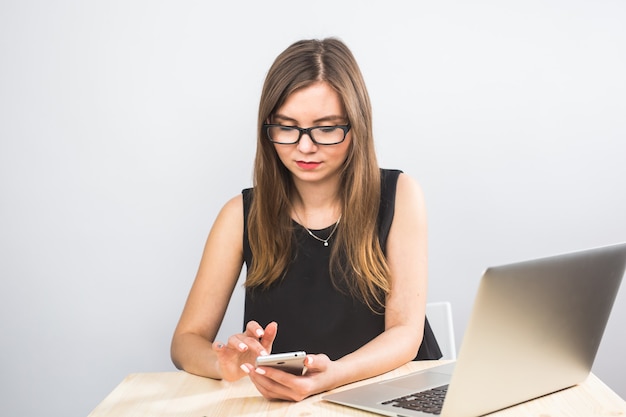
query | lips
[308, 165]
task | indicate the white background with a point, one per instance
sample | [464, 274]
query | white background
[125, 125]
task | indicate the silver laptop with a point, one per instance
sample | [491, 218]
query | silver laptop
[535, 329]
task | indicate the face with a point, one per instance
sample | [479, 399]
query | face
[315, 105]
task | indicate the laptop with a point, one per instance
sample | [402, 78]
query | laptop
[535, 329]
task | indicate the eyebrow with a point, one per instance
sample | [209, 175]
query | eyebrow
[331, 118]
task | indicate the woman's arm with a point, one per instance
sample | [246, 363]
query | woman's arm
[404, 315]
[193, 345]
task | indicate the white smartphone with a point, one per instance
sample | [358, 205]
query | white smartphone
[292, 362]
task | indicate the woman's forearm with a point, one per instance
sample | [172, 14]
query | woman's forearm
[391, 349]
[193, 353]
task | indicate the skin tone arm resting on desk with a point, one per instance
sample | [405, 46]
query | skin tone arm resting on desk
[316, 172]
[192, 345]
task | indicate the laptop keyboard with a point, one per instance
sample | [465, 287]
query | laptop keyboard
[429, 401]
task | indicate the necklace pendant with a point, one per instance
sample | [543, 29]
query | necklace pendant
[324, 241]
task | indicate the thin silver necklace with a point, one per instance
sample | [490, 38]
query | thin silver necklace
[324, 241]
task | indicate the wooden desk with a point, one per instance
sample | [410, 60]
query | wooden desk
[181, 394]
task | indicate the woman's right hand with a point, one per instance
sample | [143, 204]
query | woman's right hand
[244, 348]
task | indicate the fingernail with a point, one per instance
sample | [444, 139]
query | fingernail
[309, 360]
[263, 353]
[245, 369]
[259, 332]
[242, 346]
[260, 371]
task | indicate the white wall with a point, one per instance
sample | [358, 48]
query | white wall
[125, 125]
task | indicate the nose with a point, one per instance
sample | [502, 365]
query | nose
[306, 145]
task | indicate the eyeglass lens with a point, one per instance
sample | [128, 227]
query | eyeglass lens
[320, 134]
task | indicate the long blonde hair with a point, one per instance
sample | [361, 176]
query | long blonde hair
[356, 257]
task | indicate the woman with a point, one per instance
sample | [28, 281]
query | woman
[335, 248]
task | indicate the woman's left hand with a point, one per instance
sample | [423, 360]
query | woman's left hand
[275, 384]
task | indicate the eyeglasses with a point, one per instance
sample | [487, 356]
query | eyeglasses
[320, 135]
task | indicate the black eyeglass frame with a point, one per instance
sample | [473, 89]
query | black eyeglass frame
[307, 130]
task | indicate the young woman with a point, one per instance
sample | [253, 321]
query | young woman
[334, 246]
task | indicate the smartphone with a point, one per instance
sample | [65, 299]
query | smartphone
[292, 362]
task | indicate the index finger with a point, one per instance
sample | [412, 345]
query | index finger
[254, 329]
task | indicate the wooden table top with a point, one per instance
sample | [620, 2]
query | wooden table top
[181, 394]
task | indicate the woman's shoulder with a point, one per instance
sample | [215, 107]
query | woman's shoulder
[227, 227]
[233, 208]
[409, 196]
[401, 183]
[397, 178]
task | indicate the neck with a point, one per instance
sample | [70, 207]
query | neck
[316, 207]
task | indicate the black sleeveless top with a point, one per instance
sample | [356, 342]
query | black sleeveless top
[312, 315]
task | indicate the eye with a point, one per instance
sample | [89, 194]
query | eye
[285, 128]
